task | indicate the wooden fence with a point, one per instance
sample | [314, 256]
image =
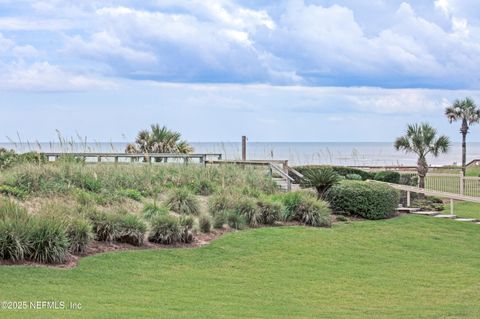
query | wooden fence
[451, 183]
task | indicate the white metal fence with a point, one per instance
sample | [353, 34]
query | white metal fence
[451, 183]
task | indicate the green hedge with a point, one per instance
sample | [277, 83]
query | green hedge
[369, 200]
[388, 176]
[340, 170]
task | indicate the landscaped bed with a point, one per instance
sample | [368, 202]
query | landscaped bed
[406, 267]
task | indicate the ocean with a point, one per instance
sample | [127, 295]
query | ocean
[297, 153]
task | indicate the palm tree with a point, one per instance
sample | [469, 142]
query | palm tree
[467, 112]
[158, 140]
[422, 140]
[321, 179]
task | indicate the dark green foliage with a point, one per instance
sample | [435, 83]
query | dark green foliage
[150, 210]
[388, 177]
[353, 177]
[219, 220]
[235, 220]
[13, 191]
[89, 183]
[340, 170]
[131, 193]
[7, 158]
[131, 230]
[165, 230]
[219, 203]
[408, 179]
[341, 218]
[183, 202]
[321, 178]
[14, 231]
[106, 226]
[314, 213]
[48, 241]
[429, 203]
[186, 226]
[205, 223]
[366, 199]
[203, 187]
[247, 208]
[269, 211]
[79, 232]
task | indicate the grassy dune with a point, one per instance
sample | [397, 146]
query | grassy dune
[408, 267]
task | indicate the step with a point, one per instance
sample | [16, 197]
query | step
[465, 219]
[446, 216]
[425, 213]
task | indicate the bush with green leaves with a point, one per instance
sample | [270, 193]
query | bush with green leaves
[340, 170]
[429, 203]
[183, 201]
[387, 176]
[319, 178]
[7, 158]
[269, 211]
[247, 208]
[13, 191]
[303, 207]
[235, 219]
[369, 200]
[131, 230]
[353, 177]
[131, 193]
[15, 225]
[79, 233]
[165, 229]
[151, 210]
[205, 223]
[48, 240]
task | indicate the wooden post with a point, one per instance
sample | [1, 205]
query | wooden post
[451, 206]
[99, 159]
[244, 148]
[462, 184]
[408, 198]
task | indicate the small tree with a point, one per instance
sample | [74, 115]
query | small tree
[422, 140]
[320, 178]
[467, 112]
[158, 140]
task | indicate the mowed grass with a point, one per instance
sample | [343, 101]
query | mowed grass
[407, 267]
[464, 209]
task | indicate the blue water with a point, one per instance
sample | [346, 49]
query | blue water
[296, 153]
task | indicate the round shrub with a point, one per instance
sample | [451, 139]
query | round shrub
[388, 177]
[205, 223]
[131, 230]
[314, 212]
[269, 211]
[106, 226]
[79, 232]
[219, 220]
[164, 230]
[49, 241]
[183, 202]
[369, 200]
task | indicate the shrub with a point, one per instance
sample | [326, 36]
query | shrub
[219, 220]
[314, 212]
[235, 220]
[7, 158]
[164, 230]
[79, 233]
[106, 226]
[15, 225]
[291, 201]
[151, 210]
[183, 202]
[321, 178]
[353, 177]
[247, 208]
[13, 191]
[203, 187]
[429, 203]
[49, 241]
[340, 170]
[83, 197]
[387, 176]
[205, 223]
[366, 199]
[186, 226]
[408, 179]
[131, 230]
[269, 211]
[90, 183]
[219, 203]
[131, 193]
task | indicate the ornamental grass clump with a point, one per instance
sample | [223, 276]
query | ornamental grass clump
[247, 208]
[269, 211]
[14, 231]
[205, 223]
[165, 230]
[48, 241]
[305, 208]
[186, 226]
[106, 226]
[183, 201]
[79, 233]
[151, 210]
[131, 230]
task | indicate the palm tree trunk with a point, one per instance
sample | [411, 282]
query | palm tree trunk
[464, 153]
[422, 169]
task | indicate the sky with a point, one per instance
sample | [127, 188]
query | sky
[288, 70]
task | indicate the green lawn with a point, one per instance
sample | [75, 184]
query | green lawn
[464, 209]
[408, 267]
